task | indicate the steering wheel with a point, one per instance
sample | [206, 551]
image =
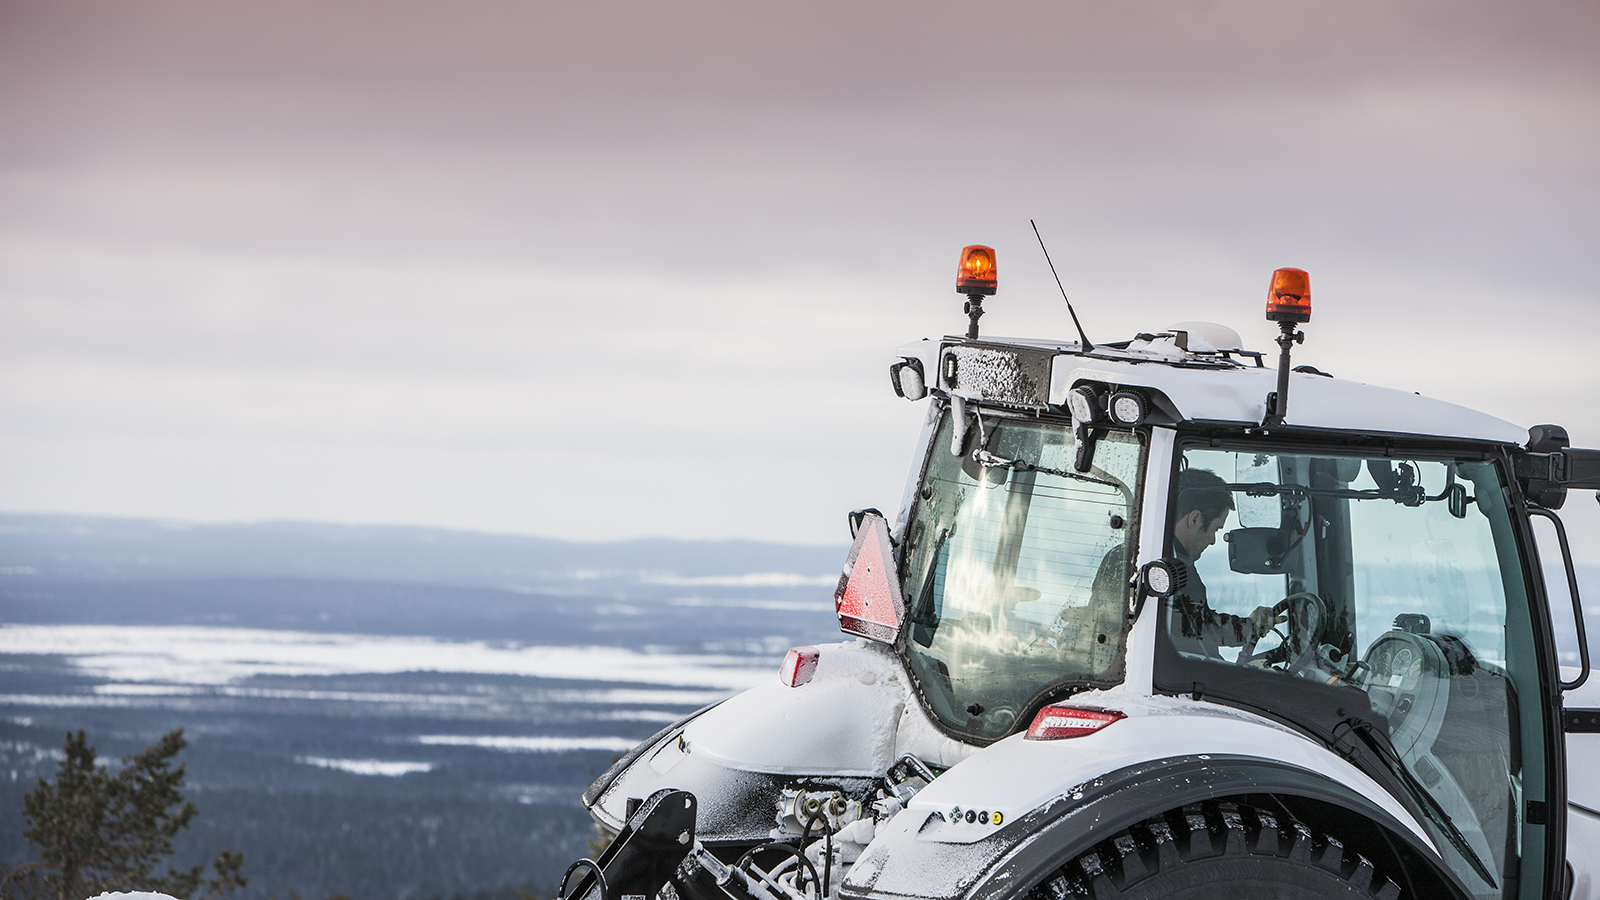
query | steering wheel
[1306, 612]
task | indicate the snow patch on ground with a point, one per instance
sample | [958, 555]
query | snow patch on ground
[737, 603]
[530, 744]
[638, 715]
[366, 766]
[195, 655]
[752, 579]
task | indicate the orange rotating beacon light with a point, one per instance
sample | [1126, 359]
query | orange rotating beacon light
[1288, 304]
[976, 278]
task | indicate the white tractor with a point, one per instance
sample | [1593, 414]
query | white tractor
[1156, 619]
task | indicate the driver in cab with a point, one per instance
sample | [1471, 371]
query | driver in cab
[1204, 502]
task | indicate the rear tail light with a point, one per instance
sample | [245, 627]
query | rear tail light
[1055, 722]
[799, 665]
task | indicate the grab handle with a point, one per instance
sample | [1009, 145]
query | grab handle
[1577, 605]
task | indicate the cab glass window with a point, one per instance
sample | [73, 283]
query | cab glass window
[1016, 570]
[1398, 577]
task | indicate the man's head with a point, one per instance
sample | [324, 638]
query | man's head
[1203, 505]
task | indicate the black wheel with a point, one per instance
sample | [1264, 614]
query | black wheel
[1218, 849]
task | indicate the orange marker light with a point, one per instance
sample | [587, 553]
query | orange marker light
[1289, 298]
[976, 274]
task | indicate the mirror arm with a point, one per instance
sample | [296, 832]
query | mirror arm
[1583, 469]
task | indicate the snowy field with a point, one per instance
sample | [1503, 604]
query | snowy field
[384, 722]
[423, 702]
[424, 705]
[131, 657]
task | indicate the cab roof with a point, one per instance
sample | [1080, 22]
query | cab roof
[1204, 386]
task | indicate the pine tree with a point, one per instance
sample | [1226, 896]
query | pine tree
[99, 830]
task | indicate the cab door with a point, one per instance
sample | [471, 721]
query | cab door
[1382, 601]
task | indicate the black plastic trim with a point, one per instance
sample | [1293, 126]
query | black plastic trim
[1300, 436]
[1555, 833]
[1580, 721]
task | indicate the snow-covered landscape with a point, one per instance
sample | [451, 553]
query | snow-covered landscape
[336, 741]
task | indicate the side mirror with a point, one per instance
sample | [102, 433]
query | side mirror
[908, 379]
[857, 516]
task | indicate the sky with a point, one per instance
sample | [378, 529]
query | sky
[608, 270]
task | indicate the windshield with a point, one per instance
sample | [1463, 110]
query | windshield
[1016, 572]
[1400, 578]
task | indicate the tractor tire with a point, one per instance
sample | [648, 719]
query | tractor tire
[1218, 849]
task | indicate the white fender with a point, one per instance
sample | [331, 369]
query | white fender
[1016, 775]
[855, 717]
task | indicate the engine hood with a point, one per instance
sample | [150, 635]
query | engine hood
[847, 725]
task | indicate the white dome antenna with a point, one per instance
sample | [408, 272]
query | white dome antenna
[1220, 338]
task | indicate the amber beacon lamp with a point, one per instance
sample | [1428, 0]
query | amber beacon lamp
[976, 278]
[1288, 304]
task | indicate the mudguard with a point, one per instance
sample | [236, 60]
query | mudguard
[907, 860]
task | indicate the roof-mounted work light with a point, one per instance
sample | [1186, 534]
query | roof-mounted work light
[976, 277]
[1083, 403]
[1126, 408]
[1288, 303]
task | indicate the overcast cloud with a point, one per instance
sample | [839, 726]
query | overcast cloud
[602, 270]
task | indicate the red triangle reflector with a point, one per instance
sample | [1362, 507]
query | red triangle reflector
[868, 598]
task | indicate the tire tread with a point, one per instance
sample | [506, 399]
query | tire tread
[1123, 864]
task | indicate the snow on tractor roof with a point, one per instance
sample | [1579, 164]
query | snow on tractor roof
[1205, 385]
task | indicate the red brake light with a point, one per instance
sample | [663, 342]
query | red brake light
[976, 274]
[1054, 722]
[1289, 297]
[799, 665]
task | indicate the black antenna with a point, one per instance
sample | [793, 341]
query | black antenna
[1083, 338]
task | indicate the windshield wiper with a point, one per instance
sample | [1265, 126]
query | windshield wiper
[989, 460]
[1392, 761]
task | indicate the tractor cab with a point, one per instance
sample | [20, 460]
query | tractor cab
[1346, 560]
